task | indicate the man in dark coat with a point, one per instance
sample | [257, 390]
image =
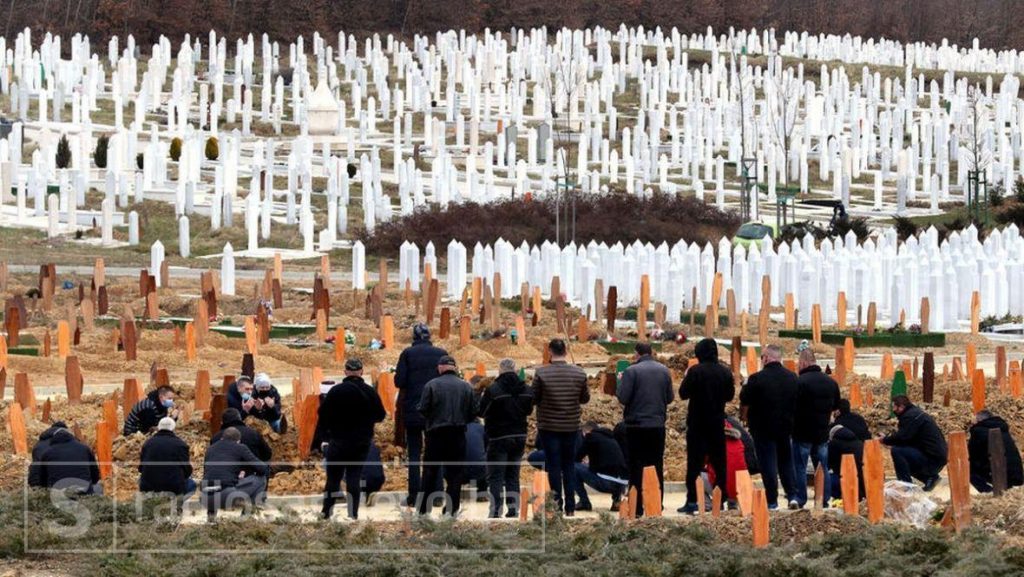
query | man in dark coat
[349, 411]
[770, 401]
[267, 401]
[645, 394]
[250, 437]
[146, 413]
[416, 366]
[606, 470]
[447, 404]
[847, 434]
[817, 396]
[241, 397]
[505, 406]
[919, 450]
[241, 476]
[708, 386]
[165, 464]
[978, 452]
[68, 463]
[37, 452]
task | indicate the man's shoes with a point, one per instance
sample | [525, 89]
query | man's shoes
[688, 509]
[512, 514]
[794, 505]
[930, 484]
[615, 507]
[586, 506]
[494, 515]
[325, 515]
[570, 513]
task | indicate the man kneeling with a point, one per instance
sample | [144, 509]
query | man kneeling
[241, 476]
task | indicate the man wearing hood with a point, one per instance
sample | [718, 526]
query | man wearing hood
[708, 386]
[645, 394]
[164, 464]
[505, 406]
[45, 438]
[770, 399]
[846, 436]
[267, 404]
[250, 437]
[69, 463]
[978, 453]
[416, 366]
[348, 413]
[146, 414]
[919, 450]
[817, 396]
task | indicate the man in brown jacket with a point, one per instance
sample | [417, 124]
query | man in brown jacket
[559, 391]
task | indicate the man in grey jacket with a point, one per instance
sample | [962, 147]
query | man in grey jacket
[645, 393]
[448, 404]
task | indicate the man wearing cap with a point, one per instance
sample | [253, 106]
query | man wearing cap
[505, 407]
[240, 396]
[447, 404]
[266, 401]
[560, 390]
[164, 464]
[416, 366]
[348, 413]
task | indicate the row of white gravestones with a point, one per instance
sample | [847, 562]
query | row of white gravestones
[893, 275]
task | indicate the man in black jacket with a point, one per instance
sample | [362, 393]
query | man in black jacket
[250, 437]
[645, 393]
[817, 395]
[45, 438]
[978, 452]
[241, 397]
[447, 404]
[846, 437]
[267, 401]
[416, 366]
[605, 470]
[348, 413]
[227, 465]
[146, 413]
[165, 464]
[919, 450]
[69, 464]
[770, 400]
[505, 406]
[708, 386]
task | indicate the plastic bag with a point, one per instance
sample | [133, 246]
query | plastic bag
[908, 503]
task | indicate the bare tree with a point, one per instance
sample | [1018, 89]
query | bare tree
[782, 104]
[975, 153]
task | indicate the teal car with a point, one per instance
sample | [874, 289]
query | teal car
[752, 232]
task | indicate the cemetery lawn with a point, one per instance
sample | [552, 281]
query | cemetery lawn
[807, 546]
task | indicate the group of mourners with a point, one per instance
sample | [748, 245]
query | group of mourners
[791, 419]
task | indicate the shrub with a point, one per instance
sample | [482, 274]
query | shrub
[613, 217]
[905, 227]
[858, 225]
[100, 155]
[140, 160]
[175, 151]
[63, 152]
[996, 195]
[1013, 213]
[212, 150]
[1018, 189]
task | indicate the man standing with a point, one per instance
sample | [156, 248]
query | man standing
[817, 395]
[416, 366]
[919, 450]
[645, 393]
[769, 398]
[708, 386]
[347, 415]
[505, 407]
[447, 404]
[165, 465]
[560, 390]
[978, 453]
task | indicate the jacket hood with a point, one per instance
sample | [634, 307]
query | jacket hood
[231, 422]
[511, 382]
[62, 436]
[706, 351]
[841, 433]
[48, 433]
[994, 422]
